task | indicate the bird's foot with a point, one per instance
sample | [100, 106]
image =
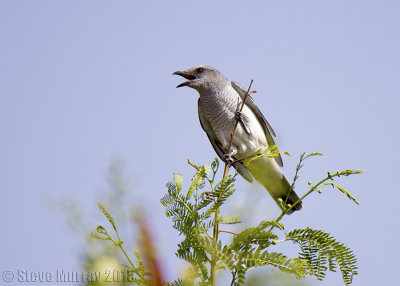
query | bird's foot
[239, 116]
[228, 158]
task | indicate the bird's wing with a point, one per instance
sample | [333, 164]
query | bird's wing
[269, 132]
[219, 149]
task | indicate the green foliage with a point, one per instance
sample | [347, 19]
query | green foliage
[270, 152]
[323, 252]
[195, 214]
[192, 214]
[136, 273]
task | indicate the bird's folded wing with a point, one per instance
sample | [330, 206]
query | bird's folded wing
[269, 132]
[219, 149]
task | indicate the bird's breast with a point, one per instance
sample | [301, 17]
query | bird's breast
[220, 111]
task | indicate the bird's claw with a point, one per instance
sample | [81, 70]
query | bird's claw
[239, 116]
[228, 158]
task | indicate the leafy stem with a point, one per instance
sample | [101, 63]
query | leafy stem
[226, 170]
[316, 187]
[118, 243]
[196, 211]
[103, 234]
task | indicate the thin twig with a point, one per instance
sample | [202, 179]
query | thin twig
[296, 176]
[245, 158]
[234, 128]
[227, 231]
[226, 170]
[312, 189]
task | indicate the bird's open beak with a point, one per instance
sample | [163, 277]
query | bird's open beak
[185, 75]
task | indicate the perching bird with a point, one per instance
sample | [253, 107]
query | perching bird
[218, 110]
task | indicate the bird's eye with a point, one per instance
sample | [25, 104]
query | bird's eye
[199, 70]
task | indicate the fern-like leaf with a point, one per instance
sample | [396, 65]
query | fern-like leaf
[285, 264]
[342, 190]
[324, 253]
[108, 216]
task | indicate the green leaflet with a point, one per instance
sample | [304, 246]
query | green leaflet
[178, 180]
[108, 216]
[270, 152]
[197, 181]
[228, 219]
[195, 214]
[313, 154]
[137, 274]
[285, 264]
[342, 190]
[324, 253]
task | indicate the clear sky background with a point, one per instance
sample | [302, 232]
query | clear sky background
[84, 82]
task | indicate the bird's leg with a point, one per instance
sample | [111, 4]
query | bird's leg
[228, 156]
[239, 116]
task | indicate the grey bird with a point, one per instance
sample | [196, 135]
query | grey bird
[218, 110]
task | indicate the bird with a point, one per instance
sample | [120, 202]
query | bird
[218, 112]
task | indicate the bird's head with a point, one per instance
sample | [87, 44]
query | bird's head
[202, 77]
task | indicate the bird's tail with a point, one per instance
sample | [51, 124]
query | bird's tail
[268, 173]
[289, 198]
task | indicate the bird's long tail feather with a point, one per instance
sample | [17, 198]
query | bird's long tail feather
[267, 172]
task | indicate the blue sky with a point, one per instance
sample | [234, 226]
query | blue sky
[84, 82]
